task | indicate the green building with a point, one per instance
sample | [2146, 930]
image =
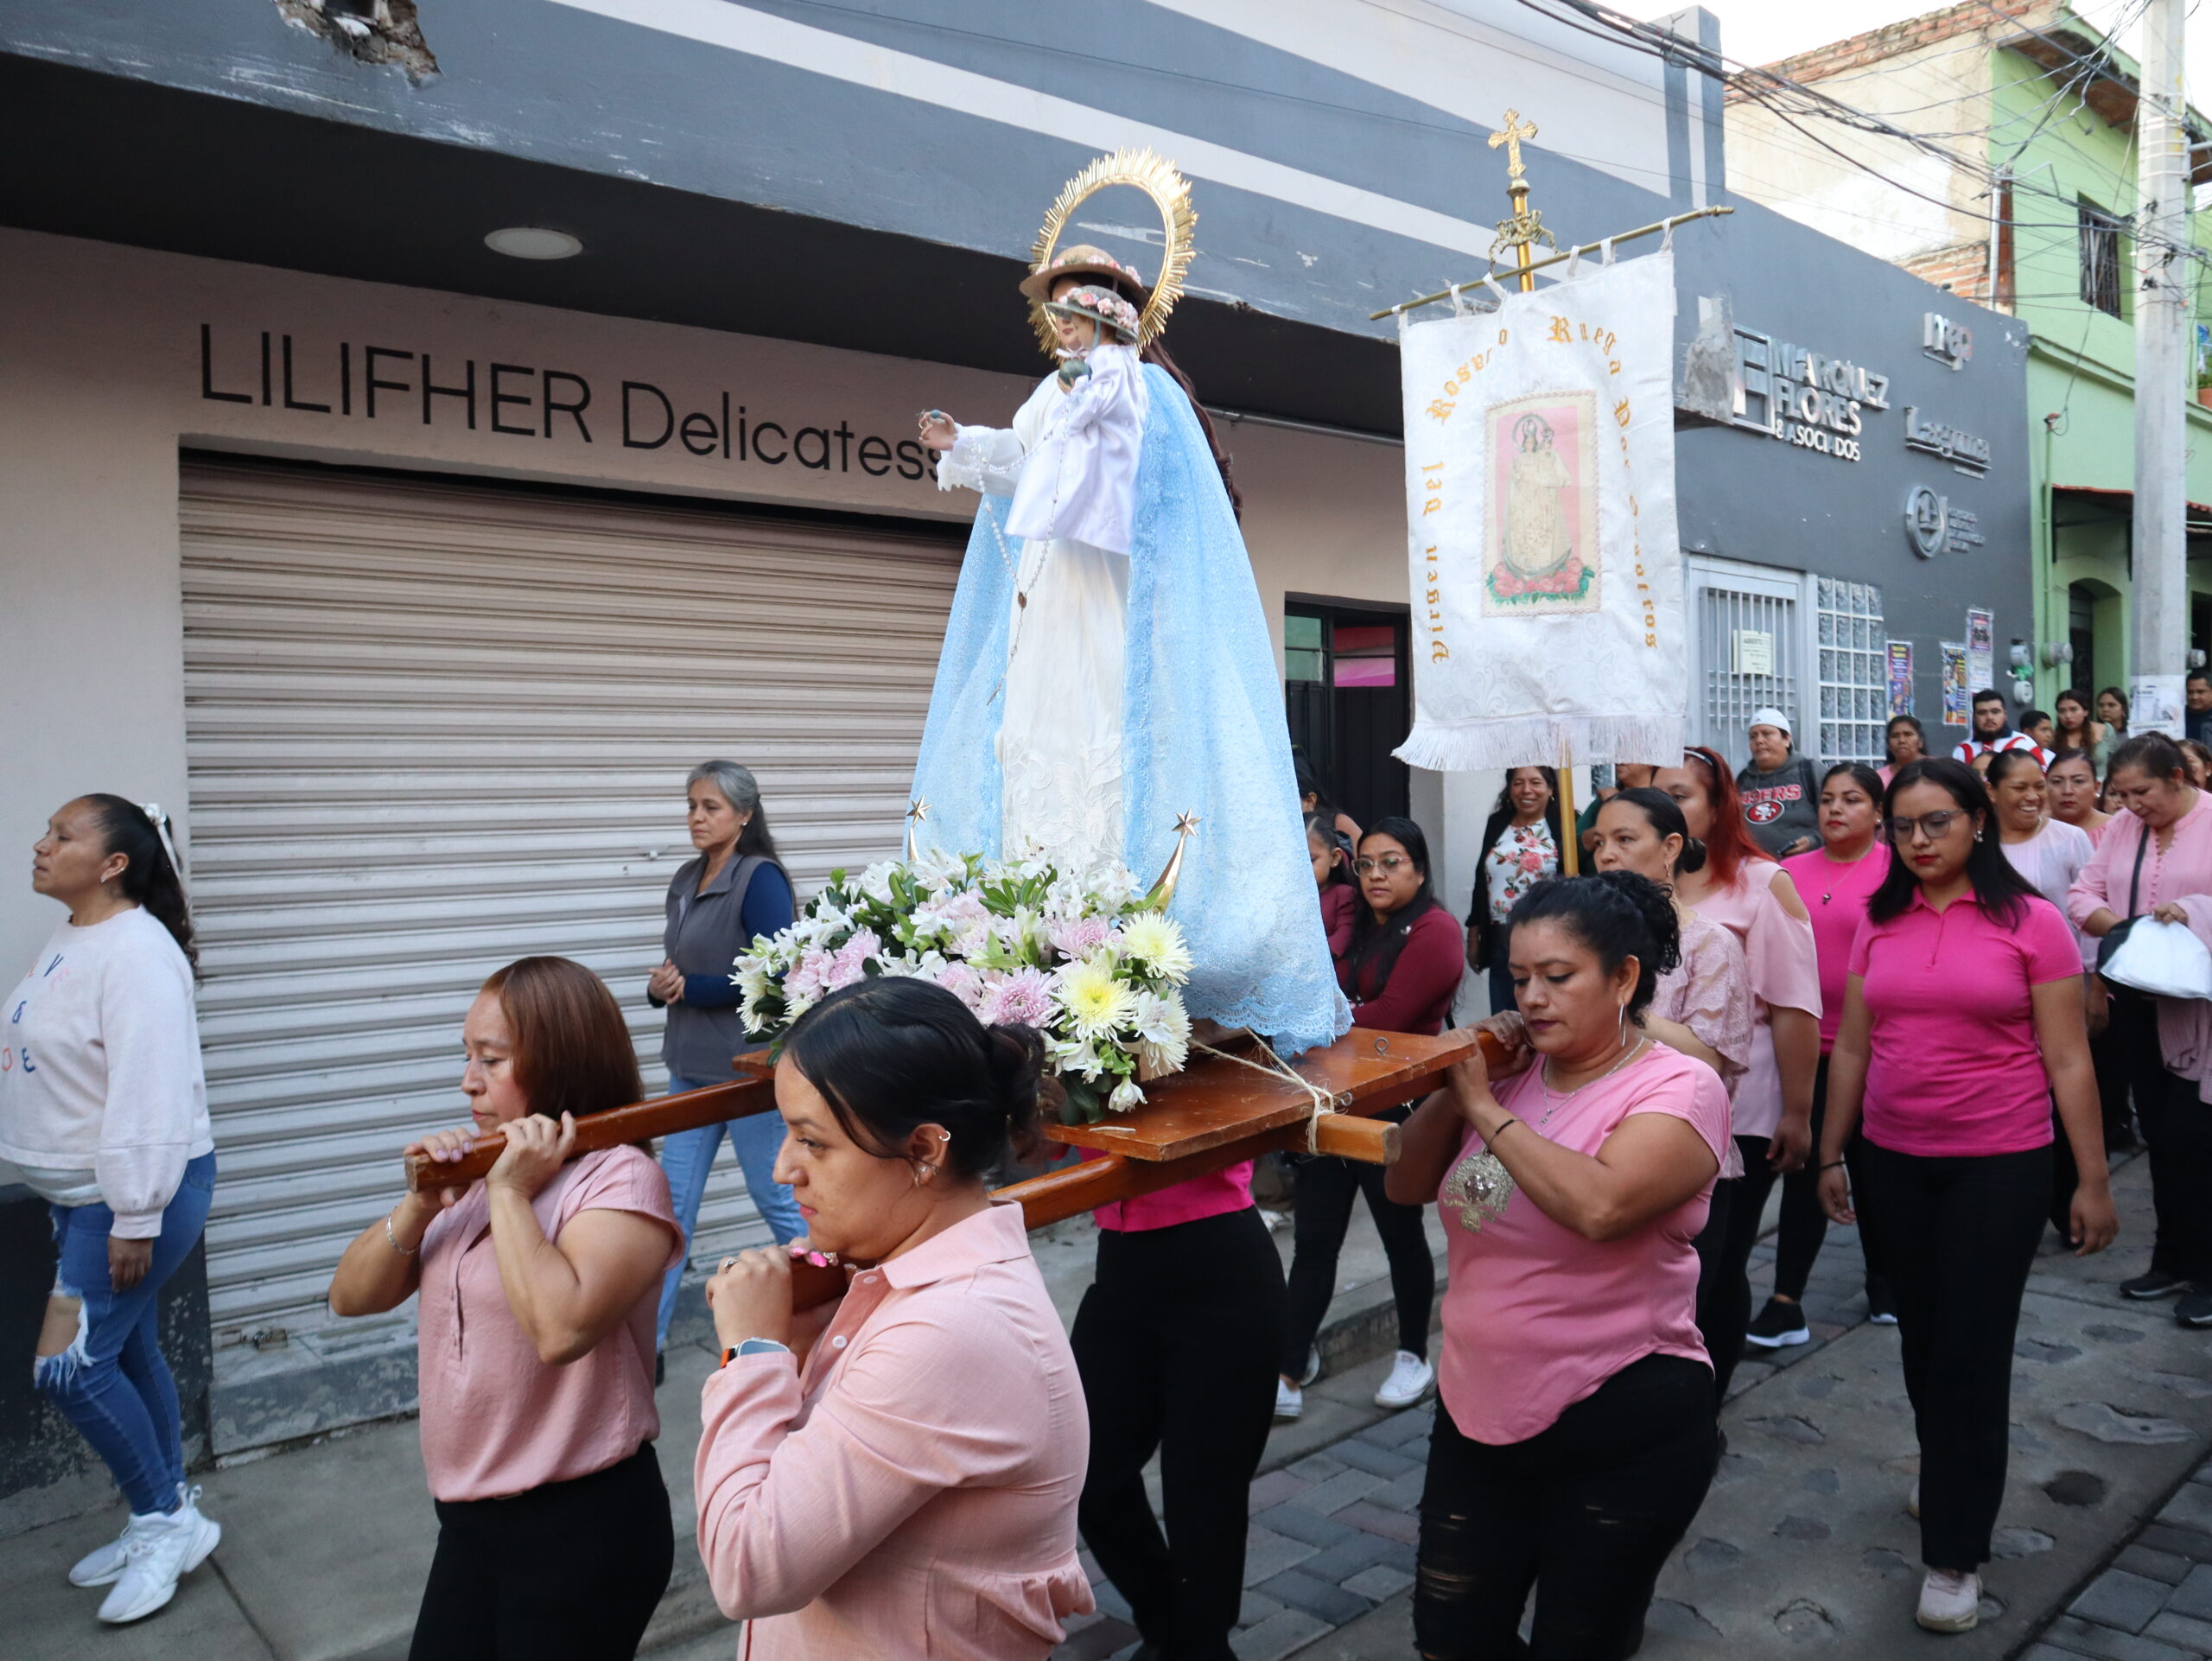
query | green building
[2045, 104]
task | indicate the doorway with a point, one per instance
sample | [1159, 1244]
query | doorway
[1347, 695]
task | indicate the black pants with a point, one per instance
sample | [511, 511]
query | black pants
[1724, 1260]
[1585, 1512]
[2108, 1055]
[1326, 1187]
[1956, 1236]
[2177, 1132]
[1803, 1228]
[1177, 1342]
[568, 1572]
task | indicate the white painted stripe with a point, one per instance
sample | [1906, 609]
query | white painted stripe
[823, 52]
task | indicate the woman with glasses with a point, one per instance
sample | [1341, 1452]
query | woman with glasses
[1962, 1019]
[1520, 849]
[2156, 860]
[1398, 960]
[1749, 895]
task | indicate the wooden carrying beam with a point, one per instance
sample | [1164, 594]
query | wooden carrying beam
[1216, 1112]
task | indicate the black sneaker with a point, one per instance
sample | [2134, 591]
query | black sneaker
[2156, 1284]
[2195, 1309]
[1778, 1326]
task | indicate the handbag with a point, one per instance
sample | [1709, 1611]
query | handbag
[2116, 936]
[2165, 960]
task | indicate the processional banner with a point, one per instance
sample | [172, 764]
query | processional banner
[1540, 481]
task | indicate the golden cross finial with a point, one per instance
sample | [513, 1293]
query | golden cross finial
[1510, 136]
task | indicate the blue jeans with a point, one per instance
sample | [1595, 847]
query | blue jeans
[111, 1382]
[689, 1154]
[1501, 1001]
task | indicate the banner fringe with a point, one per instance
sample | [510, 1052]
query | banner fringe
[1540, 740]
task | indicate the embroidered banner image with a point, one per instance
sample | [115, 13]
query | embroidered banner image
[1542, 552]
[1546, 572]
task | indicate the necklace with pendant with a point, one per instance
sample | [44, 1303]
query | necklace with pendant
[1480, 1186]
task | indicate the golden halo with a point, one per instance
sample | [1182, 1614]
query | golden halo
[1170, 194]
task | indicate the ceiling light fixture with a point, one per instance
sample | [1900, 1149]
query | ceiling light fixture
[532, 242]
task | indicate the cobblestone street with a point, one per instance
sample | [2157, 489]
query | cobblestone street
[2104, 1548]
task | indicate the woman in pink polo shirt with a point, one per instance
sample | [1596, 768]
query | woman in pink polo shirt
[538, 1286]
[1962, 1019]
[1575, 1438]
[1835, 880]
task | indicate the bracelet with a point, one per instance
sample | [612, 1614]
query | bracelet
[1490, 1140]
[1835, 1165]
[393, 1240]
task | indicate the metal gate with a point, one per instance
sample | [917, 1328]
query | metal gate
[1748, 649]
[434, 727]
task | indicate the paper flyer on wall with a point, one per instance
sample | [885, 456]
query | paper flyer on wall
[1958, 705]
[1900, 677]
[1539, 475]
[1981, 650]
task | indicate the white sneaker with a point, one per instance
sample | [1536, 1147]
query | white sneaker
[1290, 1400]
[103, 1565]
[1409, 1380]
[158, 1551]
[1950, 1603]
[1312, 1367]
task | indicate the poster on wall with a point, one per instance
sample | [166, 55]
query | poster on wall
[1981, 650]
[1900, 677]
[1540, 481]
[1958, 697]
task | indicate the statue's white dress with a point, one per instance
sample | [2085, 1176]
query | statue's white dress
[1069, 462]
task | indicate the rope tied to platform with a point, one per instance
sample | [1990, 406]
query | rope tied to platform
[1322, 1100]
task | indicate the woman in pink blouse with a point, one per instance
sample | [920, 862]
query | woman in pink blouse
[1961, 1018]
[1751, 896]
[900, 1481]
[1575, 1438]
[1701, 1007]
[2156, 860]
[1835, 880]
[535, 1334]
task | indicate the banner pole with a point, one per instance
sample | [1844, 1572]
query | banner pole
[1570, 851]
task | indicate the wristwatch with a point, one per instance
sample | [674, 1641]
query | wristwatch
[755, 1346]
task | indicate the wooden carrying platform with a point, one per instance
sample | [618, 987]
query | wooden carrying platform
[1215, 1113]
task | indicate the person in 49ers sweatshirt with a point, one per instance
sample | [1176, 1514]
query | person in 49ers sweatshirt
[104, 1114]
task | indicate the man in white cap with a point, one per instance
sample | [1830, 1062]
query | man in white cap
[1781, 795]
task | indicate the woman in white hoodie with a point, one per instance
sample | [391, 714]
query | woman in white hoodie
[104, 1111]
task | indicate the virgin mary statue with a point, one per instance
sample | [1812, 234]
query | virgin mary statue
[1107, 668]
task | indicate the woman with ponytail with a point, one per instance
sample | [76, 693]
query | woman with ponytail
[1703, 1006]
[1742, 889]
[905, 1475]
[1575, 1435]
[104, 1112]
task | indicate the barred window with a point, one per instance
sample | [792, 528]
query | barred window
[1854, 672]
[2100, 258]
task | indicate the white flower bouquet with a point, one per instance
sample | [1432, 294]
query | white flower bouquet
[1081, 956]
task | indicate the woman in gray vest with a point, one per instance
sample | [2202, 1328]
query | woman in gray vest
[734, 890]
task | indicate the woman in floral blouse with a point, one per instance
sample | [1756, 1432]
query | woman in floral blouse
[1520, 849]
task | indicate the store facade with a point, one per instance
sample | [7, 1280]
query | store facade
[413, 581]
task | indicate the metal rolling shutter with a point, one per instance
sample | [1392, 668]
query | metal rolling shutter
[434, 727]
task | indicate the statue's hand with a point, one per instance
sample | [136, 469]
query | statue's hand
[938, 430]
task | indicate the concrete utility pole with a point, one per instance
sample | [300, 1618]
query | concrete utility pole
[2160, 548]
